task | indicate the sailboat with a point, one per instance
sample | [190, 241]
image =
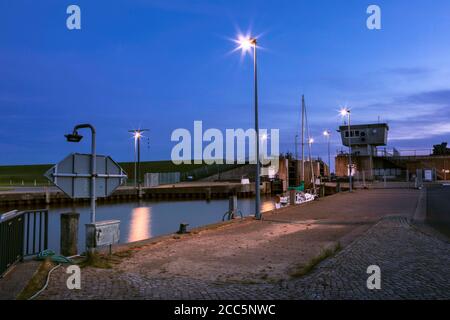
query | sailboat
[300, 195]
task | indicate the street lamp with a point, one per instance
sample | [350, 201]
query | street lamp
[313, 179]
[345, 112]
[137, 135]
[75, 137]
[310, 143]
[246, 44]
[327, 134]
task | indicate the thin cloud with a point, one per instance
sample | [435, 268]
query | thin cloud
[409, 71]
[419, 131]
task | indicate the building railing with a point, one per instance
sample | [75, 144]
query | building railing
[22, 234]
[384, 152]
[392, 152]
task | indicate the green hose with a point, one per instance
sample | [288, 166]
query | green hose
[52, 256]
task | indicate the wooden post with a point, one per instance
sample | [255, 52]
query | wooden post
[69, 234]
[232, 206]
[47, 196]
[364, 178]
[208, 194]
[322, 190]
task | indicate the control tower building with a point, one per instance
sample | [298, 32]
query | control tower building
[364, 140]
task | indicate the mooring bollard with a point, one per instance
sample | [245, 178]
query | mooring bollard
[69, 234]
[183, 228]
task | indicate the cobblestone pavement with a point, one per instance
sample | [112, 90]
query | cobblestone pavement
[413, 265]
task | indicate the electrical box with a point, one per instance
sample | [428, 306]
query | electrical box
[103, 233]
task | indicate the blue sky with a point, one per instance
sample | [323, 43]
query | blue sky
[163, 64]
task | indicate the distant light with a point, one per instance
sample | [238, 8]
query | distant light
[137, 135]
[311, 141]
[264, 137]
[344, 112]
[326, 133]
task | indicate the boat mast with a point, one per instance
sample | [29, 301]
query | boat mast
[313, 178]
[303, 139]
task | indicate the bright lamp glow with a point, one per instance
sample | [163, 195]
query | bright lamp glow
[264, 137]
[344, 112]
[137, 135]
[311, 141]
[246, 43]
[326, 133]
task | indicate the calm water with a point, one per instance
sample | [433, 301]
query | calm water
[147, 219]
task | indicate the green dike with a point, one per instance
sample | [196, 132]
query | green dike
[31, 173]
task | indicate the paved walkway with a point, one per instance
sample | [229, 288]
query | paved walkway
[16, 279]
[413, 265]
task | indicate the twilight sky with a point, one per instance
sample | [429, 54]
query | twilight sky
[161, 64]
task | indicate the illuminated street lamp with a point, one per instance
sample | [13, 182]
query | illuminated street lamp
[246, 44]
[310, 143]
[345, 112]
[327, 135]
[137, 135]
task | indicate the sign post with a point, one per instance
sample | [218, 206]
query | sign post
[73, 176]
[84, 176]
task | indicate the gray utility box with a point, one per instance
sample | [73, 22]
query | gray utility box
[103, 233]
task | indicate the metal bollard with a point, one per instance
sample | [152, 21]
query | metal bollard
[183, 228]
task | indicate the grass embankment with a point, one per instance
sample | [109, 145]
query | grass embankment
[29, 175]
[37, 282]
[26, 174]
[304, 269]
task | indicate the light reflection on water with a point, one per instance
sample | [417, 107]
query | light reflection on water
[140, 224]
[147, 219]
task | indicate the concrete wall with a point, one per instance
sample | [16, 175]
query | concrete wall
[236, 174]
[440, 163]
[410, 164]
[359, 163]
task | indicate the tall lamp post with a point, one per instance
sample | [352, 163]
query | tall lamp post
[247, 44]
[75, 137]
[327, 135]
[311, 165]
[345, 112]
[310, 143]
[137, 134]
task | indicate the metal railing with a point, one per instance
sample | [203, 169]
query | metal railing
[384, 152]
[22, 234]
